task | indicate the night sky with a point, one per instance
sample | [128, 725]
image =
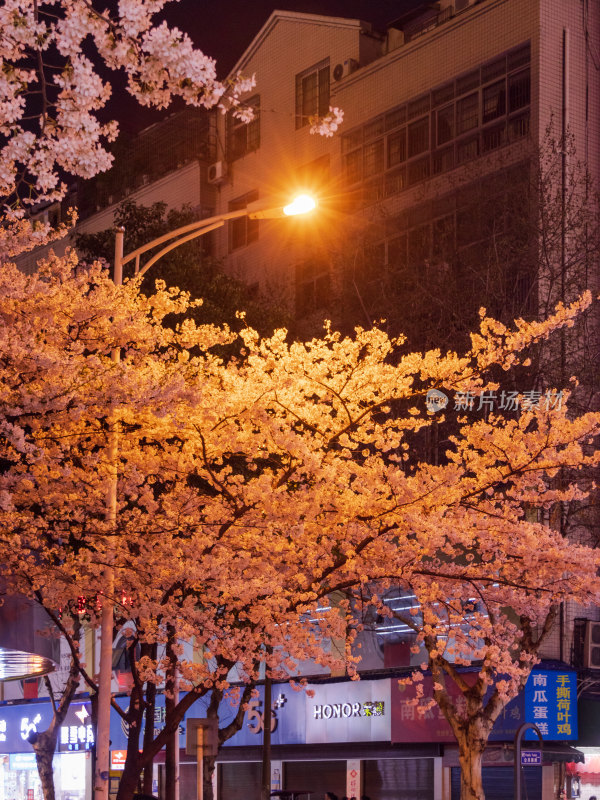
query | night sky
[223, 29]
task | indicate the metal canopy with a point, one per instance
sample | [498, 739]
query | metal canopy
[25, 652]
[17, 664]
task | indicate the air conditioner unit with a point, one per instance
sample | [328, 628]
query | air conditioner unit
[460, 5]
[344, 69]
[217, 172]
[591, 652]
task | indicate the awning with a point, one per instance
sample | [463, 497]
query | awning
[551, 752]
[563, 752]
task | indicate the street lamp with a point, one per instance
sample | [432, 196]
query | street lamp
[300, 205]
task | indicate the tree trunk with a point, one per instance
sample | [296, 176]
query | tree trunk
[171, 701]
[44, 743]
[44, 747]
[266, 748]
[172, 757]
[130, 776]
[208, 769]
[148, 737]
[471, 745]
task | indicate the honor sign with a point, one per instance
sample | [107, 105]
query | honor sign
[369, 709]
[356, 711]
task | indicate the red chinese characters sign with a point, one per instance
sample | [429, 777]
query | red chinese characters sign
[410, 724]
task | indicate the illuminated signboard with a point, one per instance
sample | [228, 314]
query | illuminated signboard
[117, 759]
[20, 721]
[551, 704]
[549, 700]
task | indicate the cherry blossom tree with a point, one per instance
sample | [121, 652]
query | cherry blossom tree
[251, 488]
[58, 57]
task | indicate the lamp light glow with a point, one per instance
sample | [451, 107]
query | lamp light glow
[300, 205]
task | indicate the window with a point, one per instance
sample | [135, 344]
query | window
[418, 171]
[434, 133]
[518, 127]
[419, 244]
[445, 125]
[467, 151]
[493, 138]
[443, 234]
[313, 286]
[467, 113]
[312, 93]
[494, 101]
[443, 160]
[373, 162]
[397, 147]
[242, 231]
[418, 137]
[353, 166]
[518, 90]
[243, 137]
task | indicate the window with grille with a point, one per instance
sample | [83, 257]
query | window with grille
[244, 137]
[242, 231]
[455, 123]
[313, 286]
[312, 93]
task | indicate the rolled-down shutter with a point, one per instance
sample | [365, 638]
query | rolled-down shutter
[398, 779]
[317, 777]
[239, 780]
[499, 784]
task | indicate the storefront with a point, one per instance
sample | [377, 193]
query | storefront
[549, 701]
[72, 763]
[333, 736]
[366, 738]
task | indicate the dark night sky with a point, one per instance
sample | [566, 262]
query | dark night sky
[223, 29]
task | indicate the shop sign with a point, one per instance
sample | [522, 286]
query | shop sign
[79, 734]
[551, 704]
[287, 717]
[19, 721]
[354, 711]
[119, 728]
[18, 761]
[531, 758]
[353, 778]
[548, 700]
[117, 759]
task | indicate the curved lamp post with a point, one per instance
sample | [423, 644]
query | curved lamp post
[300, 205]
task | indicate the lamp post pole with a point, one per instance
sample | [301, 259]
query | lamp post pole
[177, 237]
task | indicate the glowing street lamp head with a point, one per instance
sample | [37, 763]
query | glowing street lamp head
[300, 205]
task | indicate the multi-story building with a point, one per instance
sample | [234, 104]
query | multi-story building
[442, 113]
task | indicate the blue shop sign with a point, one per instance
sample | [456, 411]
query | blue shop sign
[287, 721]
[551, 704]
[287, 724]
[19, 721]
[531, 758]
[549, 700]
